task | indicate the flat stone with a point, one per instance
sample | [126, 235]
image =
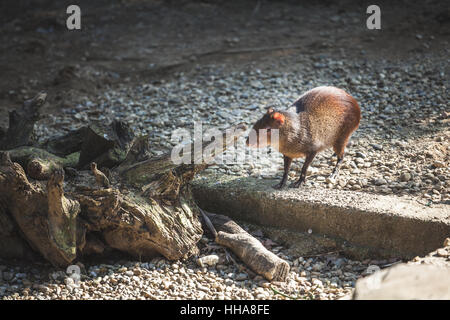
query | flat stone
[384, 225]
[210, 260]
[377, 146]
[405, 282]
[442, 253]
[439, 164]
[379, 182]
[405, 176]
[241, 276]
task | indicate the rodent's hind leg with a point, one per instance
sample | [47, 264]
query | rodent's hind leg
[279, 185]
[298, 183]
[339, 150]
[335, 171]
[309, 158]
[287, 167]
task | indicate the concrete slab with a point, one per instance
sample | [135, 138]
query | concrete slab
[385, 226]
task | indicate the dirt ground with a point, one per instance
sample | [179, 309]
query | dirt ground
[136, 41]
[399, 74]
[126, 45]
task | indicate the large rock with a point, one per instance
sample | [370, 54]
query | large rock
[380, 226]
[401, 282]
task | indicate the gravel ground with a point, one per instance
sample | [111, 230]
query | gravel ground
[320, 277]
[401, 146]
[326, 276]
[440, 257]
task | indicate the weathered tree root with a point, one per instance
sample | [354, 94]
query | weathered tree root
[62, 217]
[144, 207]
[246, 247]
[134, 203]
[21, 123]
[46, 219]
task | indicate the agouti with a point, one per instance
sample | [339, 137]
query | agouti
[322, 118]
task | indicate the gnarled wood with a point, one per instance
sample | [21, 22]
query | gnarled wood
[248, 249]
[66, 144]
[146, 209]
[132, 202]
[107, 145]
[142, 228]
[141, 173]
[39, 216]
[38, 163]
[62, 217]
[12, 245]
[21, 123]
[40, 169]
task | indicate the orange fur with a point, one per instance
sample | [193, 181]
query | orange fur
[279, 117]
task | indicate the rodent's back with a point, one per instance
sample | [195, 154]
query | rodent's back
[327, 115]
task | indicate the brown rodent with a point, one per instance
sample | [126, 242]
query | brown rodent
[322, 118]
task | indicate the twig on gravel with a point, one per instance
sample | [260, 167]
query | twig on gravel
[322, 254]
[208, 223]
[257, 7]
[391, 264]
[283, 294]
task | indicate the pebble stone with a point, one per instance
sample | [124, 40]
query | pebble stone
[318, 278]
[401, 148]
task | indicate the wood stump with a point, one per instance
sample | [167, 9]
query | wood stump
[55, 202]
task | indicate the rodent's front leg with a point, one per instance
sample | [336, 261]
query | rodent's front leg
[287, 167]
[302, 179]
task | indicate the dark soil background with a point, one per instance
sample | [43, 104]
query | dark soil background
[132, 41]
[133, 59]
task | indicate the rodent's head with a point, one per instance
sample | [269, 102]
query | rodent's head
[261, 133]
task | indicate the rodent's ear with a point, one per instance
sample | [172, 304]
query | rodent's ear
[270, 110]
[280, 118]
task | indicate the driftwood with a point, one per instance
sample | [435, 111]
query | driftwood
[107, 145]
[142, 218]
[250, 250]
[96, 190]
[21, 123]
